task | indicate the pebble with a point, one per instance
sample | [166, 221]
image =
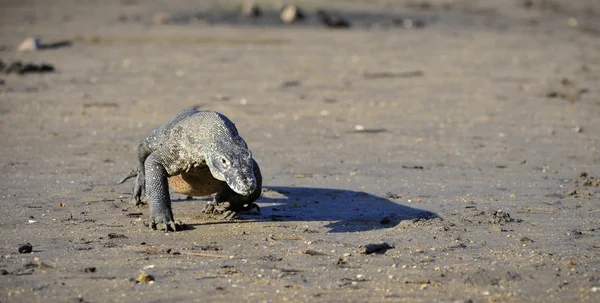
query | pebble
[29, 45]
[332, 21]
[25, 248]
[290, 14]
[162, 18]
[250, 9]
[526, 240]
[144, 278]
[572, 22]
[311, 252]
[371, 248]
[410, 23]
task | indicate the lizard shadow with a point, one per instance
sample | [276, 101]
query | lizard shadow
[346, 210]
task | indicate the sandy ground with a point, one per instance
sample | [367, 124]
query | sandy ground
[477, 161]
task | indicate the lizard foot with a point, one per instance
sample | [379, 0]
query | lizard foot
[167, 226]
[216, 208]
[228, 211]
[231, 214]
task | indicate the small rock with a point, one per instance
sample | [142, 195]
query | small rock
[311, 252]
[162, 18]
[29, 45]
[360, 129]
[290, 83]
[526, 240]
[566, 82]
[144, 278]
[391, 195]
[25, 248]
[413, 167]
[4, 272]
[377, 247]
[250, 9]
[409, 23]
[116, 236]
[290, 14]
[332, 21]
[528, 4]
[90, 269]
[499, 217]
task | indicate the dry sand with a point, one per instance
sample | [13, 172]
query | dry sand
[479, 144]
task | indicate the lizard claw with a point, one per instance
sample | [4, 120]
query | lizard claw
[229, 215]
[164, 221]
[167, 226]
[208, 208]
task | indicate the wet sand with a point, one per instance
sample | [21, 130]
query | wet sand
[469, 145]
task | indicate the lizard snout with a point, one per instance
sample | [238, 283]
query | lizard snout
[247, 186]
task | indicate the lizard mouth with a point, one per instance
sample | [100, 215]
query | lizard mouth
[246, 190]
[243, 187]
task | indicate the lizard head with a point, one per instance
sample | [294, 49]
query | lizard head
[233, 164]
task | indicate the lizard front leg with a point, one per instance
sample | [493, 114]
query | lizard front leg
[157, 190]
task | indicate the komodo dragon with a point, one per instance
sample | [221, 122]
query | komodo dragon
[197, 153]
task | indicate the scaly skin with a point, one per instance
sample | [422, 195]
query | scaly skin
[197, 153]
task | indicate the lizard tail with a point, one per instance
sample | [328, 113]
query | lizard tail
[130, 175]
